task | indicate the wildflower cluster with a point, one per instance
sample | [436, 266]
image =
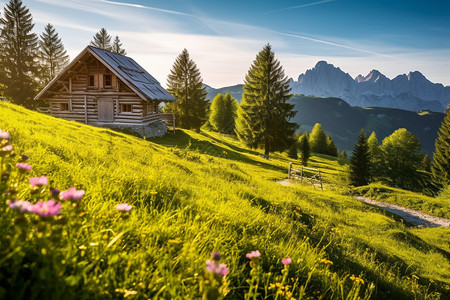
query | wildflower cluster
[215, 284]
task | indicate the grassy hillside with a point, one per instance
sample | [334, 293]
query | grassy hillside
[192, 194]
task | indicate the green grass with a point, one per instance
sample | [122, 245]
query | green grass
[211, 195]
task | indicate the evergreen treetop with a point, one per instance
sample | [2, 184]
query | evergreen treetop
[52, 54]
[18, 58]
[360, 162]
[102, 40]
[440, 167]
[117, 47]
[186, 85]
[264, 114]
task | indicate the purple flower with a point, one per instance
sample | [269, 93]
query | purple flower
[21, 205]
[216, 268]
[23, 166]
[286, 261]
[7, 148]
[46, 209]
[253, 254]
[125, 207]
[71, 194]
[4, 135]
[216, 256]
[38, 181]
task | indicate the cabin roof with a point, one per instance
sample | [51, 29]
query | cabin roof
[126, 69]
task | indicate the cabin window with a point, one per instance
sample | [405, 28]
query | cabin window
[64, 106]
[125, 107]
[91, 80]
[107, 80]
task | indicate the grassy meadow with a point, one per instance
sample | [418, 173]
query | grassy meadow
[194, 194]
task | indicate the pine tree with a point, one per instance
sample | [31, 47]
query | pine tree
[318, 140]
[223, 113]
[440, 167]
[264, 114]
[293, 151]
[102, 40]
[185, 84]
[343, 154]
[304, 149]
[331, 147]
[18, 55]
[52, 55]
[117, 47]
[360, 162]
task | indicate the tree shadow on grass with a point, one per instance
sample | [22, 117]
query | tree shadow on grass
[183, 140]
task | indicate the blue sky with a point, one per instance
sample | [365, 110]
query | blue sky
[223, 37]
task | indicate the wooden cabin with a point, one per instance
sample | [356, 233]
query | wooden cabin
[103, 88]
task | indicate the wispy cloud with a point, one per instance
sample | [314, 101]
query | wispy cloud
[332, 44]
[173, 12]
[299, 6]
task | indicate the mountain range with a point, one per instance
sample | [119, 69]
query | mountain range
[412, 92]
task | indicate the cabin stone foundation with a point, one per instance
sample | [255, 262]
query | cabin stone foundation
[155, 129]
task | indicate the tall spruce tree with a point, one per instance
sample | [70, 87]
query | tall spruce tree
[264, 114]
[102, 40]
[52, 55]
[117, 46]
[19, 52]
[440, 167]
[360, 162]
[223, 113]
[304, 149]
[185, 84]
[318, 140]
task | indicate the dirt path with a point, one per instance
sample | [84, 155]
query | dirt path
[409, 215]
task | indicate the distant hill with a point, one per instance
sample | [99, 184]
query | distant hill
[344, 122]
[234, 90]
[411, 92]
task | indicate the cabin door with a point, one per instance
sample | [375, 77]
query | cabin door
[105, 110]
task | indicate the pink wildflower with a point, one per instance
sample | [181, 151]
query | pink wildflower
[23, 166]
[46, 209]
[253, 254]
[4, 135]
[216, 268]
[21, 205]
[286, 261]
[71, 194]
[7, 148]
[38, 181]
[125, 207]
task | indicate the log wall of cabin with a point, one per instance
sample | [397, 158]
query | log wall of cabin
[74, 89]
